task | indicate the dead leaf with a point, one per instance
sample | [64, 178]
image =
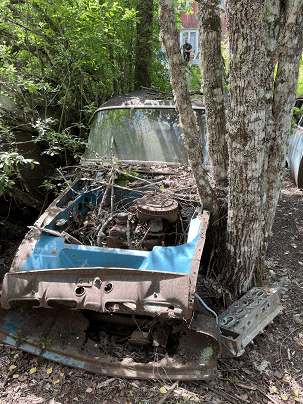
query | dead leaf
[244, 397]
[15, 376]
[12, 367]
[284, 396]
[49, 371]
[293, 245]
[33, 370]
[163, 390]
[89, 390]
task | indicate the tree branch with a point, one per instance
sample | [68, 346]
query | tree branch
[169, 37]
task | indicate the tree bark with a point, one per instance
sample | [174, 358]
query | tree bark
[259, 122]
[210, 36]
[169, 37]
[283, 99]
[143, 44]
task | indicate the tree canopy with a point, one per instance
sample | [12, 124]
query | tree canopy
[61, 59]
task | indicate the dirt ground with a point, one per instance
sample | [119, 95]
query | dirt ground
[270, 370]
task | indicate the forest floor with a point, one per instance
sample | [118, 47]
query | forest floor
[270, 370]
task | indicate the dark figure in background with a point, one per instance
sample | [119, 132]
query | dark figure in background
[187, 49]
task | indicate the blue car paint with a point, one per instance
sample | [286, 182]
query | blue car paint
[52, 252]
[53, 356]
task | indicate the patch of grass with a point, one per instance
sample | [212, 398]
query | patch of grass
[127, 176]
[45, 342]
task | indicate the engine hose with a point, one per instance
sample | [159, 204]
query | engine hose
[207, 308]
[103, 228]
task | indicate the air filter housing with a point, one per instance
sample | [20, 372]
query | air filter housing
[157, 207]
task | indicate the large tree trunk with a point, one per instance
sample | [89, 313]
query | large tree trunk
[246, 124]
[169, 37]
[259, 123]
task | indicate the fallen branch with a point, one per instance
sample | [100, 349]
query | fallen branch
[219, 393]
[169, 391]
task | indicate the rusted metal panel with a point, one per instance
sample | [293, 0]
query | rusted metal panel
[195, 358]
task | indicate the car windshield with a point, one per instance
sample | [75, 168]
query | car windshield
[146, 134]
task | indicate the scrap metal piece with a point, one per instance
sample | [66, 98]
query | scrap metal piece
[67, 344]
[247, 317]
[201, 341]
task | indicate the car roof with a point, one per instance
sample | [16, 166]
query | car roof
[146, 99]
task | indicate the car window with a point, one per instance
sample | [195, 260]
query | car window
[139, 135]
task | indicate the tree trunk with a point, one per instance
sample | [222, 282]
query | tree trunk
[246, 124]
[169, 37]
[283, 99]
[143, 44]
[210, 37]
[259, 123]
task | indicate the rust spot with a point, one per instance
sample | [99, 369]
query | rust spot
[54, 252]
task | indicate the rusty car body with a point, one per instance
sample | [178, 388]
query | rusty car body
[148, 289]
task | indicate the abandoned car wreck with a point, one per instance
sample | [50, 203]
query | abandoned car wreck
[113, 262]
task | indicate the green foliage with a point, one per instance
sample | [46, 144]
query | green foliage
[297, 114]
[9, 167]
[60, 60]
[300, 79]
[57, 183]
[194, 77]
[59, 143]
[127, 176]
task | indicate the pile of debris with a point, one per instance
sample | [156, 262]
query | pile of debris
[158, 216]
